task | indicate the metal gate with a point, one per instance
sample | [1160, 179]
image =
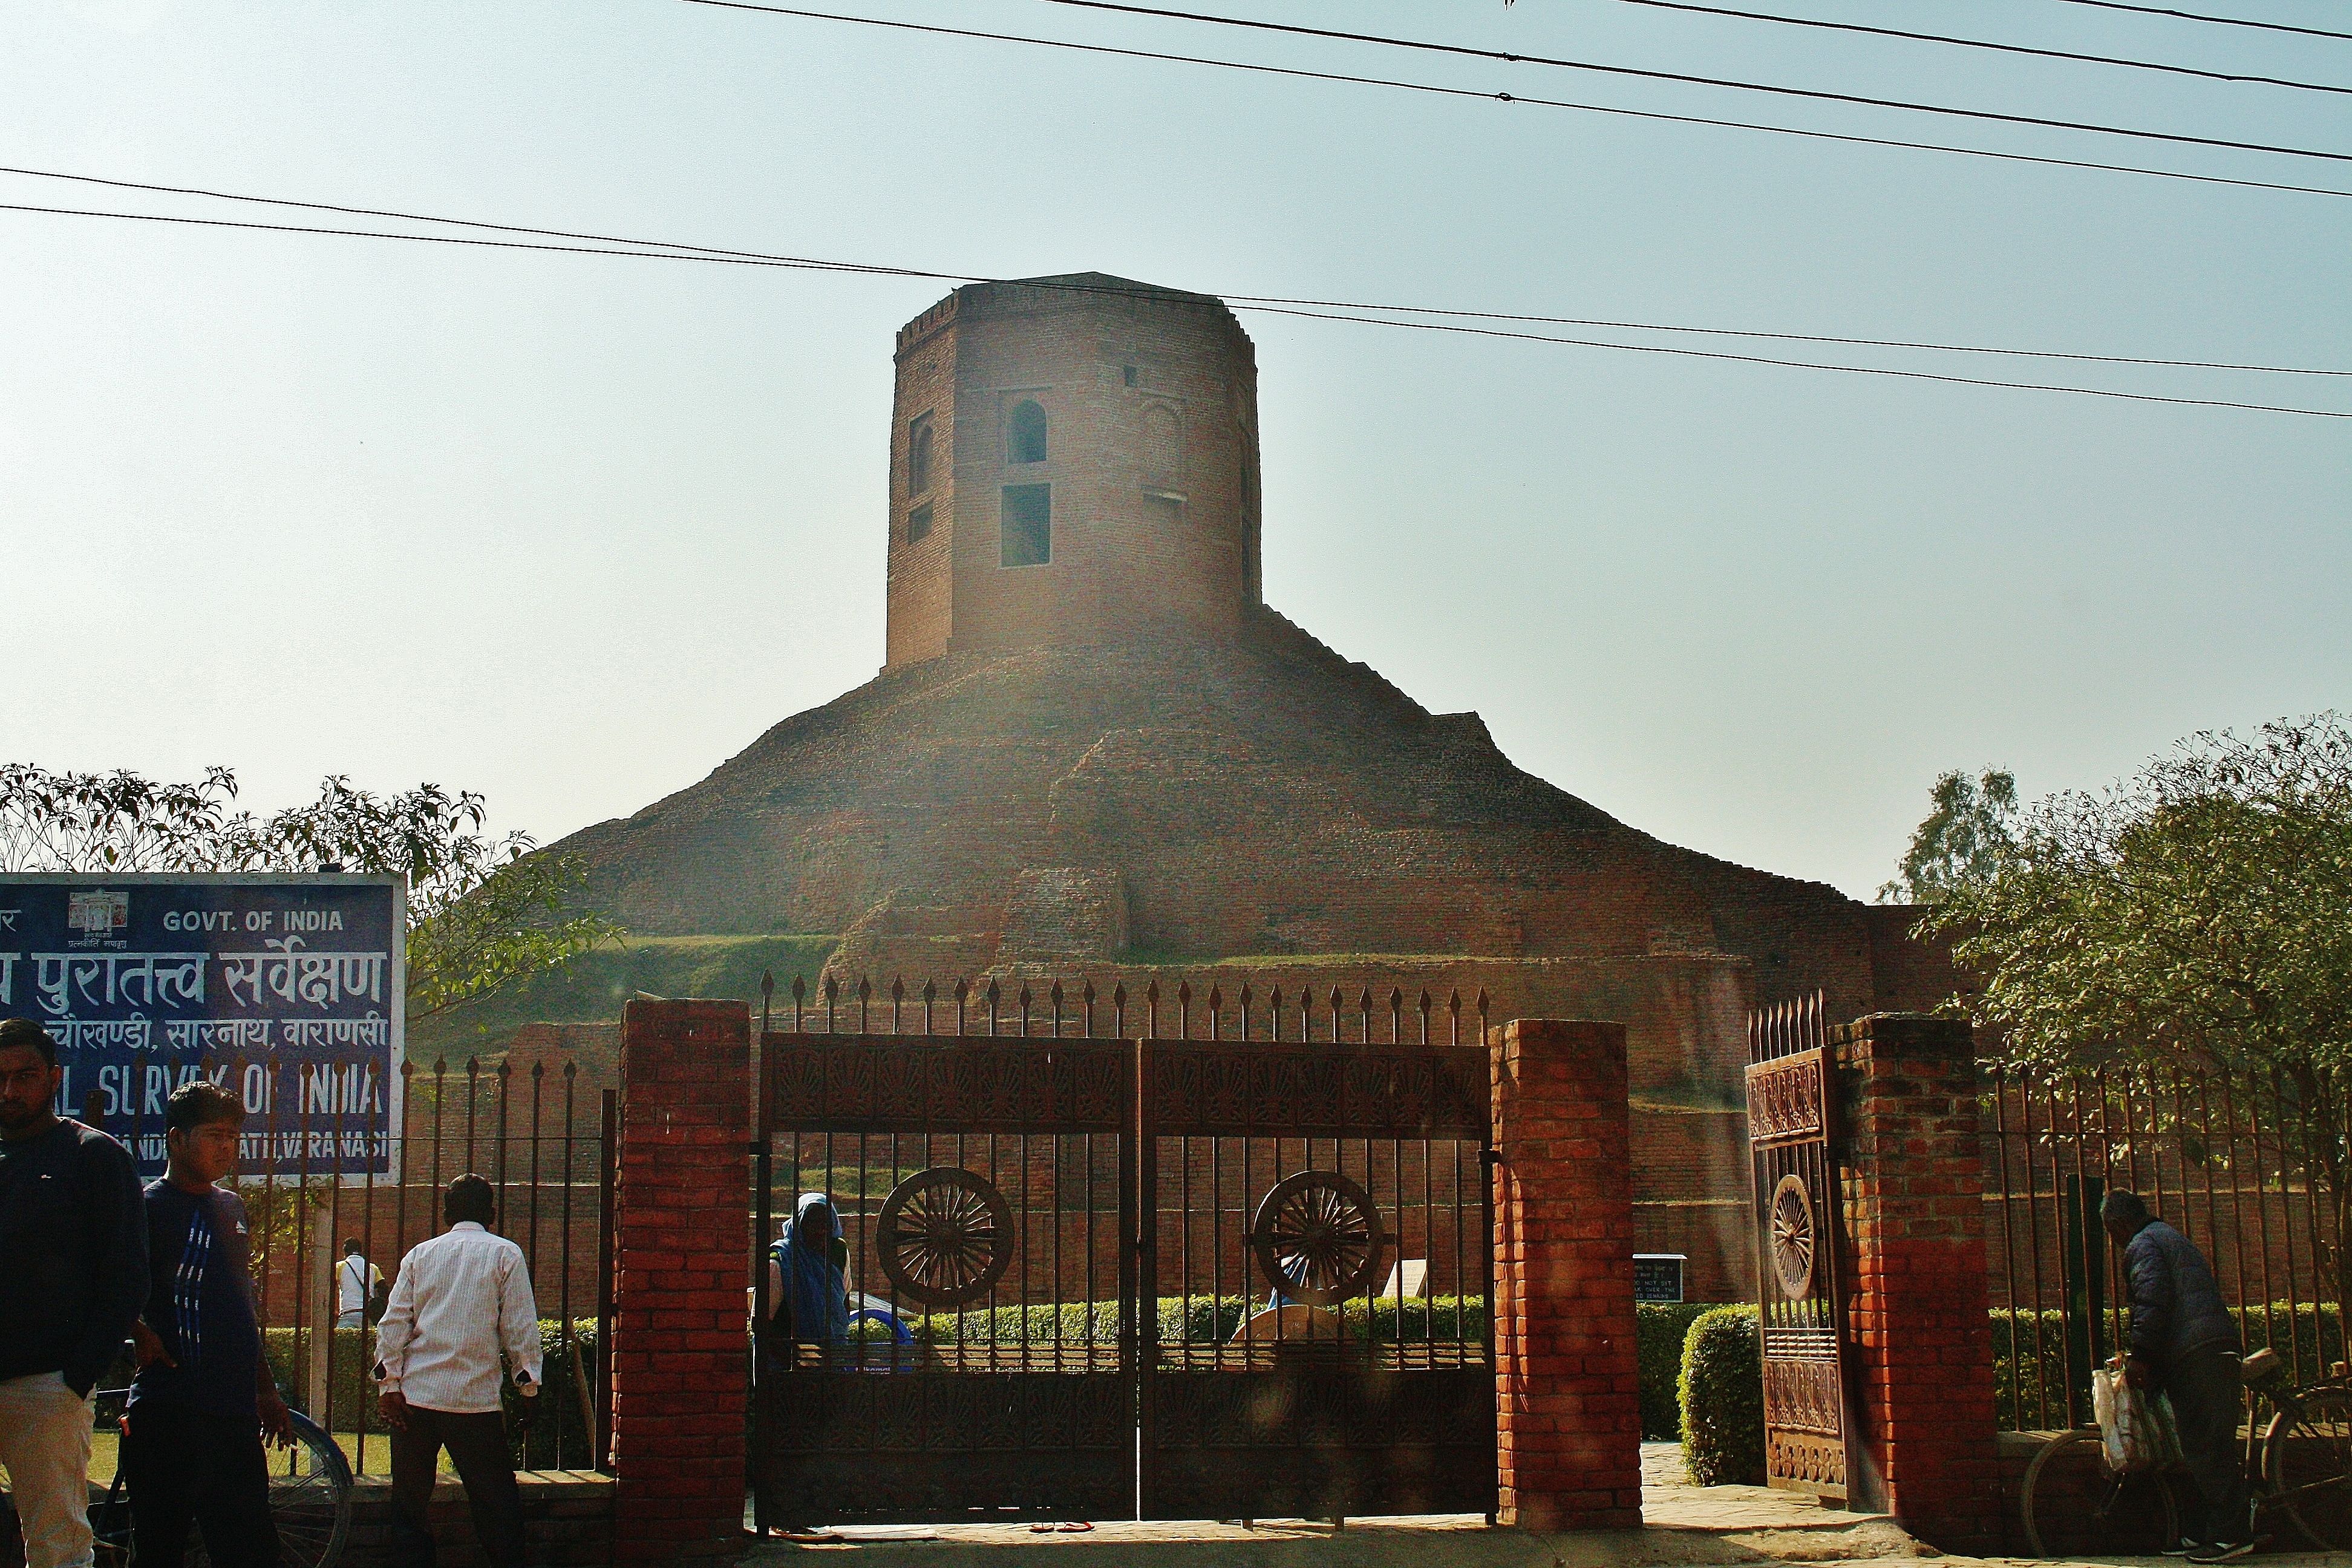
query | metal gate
[1317, 1238]
[1792, 1132]
[986, 1193]
[1110, 1278]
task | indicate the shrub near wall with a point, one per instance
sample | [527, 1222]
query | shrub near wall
[1659, 1329]
[1722, 1393]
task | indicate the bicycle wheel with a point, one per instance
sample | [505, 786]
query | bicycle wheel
[310, 1498]
[2307, 1465]
[2074, 1505]
[309, 1502]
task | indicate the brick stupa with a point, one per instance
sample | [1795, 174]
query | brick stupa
[1094, 754]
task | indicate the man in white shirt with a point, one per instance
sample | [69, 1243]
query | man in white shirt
[459, 1301]
[355, 1282]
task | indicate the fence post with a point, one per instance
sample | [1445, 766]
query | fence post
[1566, 1380]
[1912, 1205]
[318, 1286]
[678, 1354]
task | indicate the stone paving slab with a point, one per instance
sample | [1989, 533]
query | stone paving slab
[1685, 1527]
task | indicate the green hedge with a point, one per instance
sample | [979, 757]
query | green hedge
[1722, 1391]
[1203, 1319]
[559, 1408]
[1659, 1328]
[2020, 1377]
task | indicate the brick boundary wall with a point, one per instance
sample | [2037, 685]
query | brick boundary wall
[678, 1347]
[1915, 1292]
[1566, 1381]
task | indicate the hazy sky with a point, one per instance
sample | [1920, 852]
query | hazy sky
[571, 531]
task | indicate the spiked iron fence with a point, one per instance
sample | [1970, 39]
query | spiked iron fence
[1202, 1255]
[542, 1140]
[1052, 1010]
[2239, 1164]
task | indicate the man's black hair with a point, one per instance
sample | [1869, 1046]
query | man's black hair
[200, 1102]
[2124, 1208]
[350, 1244]
[16, 1032]
[469, 1197]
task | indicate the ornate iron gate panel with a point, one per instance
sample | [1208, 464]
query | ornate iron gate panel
[1809, 1435]
[987, 1196]
[1315, 1265]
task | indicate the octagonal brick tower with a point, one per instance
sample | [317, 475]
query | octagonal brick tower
[1073, 459]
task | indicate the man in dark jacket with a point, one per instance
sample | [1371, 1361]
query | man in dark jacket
[73, 1271]
[2184, 1343]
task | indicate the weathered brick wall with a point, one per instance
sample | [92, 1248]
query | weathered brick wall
[678, 1347]
[1151, 454]
[1914, 1207]
[567, 1517]
[920, 617]
[1565, 1380]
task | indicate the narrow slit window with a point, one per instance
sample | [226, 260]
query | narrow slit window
[918, 454]
[1025, 526]
[918, 523]
[1024, 434]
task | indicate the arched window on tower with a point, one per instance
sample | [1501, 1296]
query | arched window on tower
[1025, 433]
[1162, 449]
[918, 454]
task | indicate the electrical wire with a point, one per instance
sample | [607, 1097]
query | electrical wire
[1986, 43]
[2201, 16]
[1269, 299]
[1819, 94]
[1300, 73]
[866, 269]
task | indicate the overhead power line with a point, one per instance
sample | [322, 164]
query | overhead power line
[1302, 74]
[816, 265]
[1986, 44]
[1449, 313]
[2201, 17]
[1820, 94]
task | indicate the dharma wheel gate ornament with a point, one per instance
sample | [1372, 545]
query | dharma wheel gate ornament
[1794, 1240]
[1808, 1425]
[1317, 1238]
[945, 1237]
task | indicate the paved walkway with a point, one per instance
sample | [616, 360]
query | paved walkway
[1685, 1527]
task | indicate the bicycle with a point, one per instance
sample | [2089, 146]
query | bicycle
[309, 1499]
[2299, 1463]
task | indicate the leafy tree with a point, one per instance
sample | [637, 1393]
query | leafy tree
[482, 911]
[2197, 915]
[1972, 824]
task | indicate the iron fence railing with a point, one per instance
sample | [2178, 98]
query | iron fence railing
[1056, 1009]
[541, 1137]
[2239, 1164]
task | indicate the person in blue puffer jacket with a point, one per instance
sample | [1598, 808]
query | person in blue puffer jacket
[2185, 1343]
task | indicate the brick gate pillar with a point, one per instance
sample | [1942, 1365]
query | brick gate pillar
[679, 1331]
[1565, 1380]
[1915, 1296]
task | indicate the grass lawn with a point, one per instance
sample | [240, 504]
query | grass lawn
[106, 1447]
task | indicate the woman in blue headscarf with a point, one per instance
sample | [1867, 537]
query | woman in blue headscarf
[812, 1296]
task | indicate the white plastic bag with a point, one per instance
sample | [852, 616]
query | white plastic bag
[2135, 1428]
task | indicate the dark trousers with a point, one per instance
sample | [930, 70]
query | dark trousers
[478, 1445]
[183, 1466]
[2204, 1389]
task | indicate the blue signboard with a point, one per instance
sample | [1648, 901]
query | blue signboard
[285, 989]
